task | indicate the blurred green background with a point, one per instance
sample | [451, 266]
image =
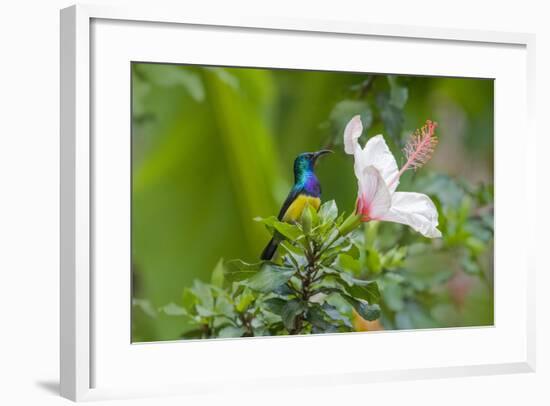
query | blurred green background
[213, 148]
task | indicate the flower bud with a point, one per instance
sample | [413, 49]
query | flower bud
[349, 224]
[306, 219]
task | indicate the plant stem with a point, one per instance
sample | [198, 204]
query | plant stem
[310, 272]
[247, 324]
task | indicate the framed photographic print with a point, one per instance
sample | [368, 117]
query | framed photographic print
[240, 194]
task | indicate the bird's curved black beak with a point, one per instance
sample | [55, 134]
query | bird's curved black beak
[321, 153]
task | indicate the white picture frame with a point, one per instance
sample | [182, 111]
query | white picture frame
[81, 182]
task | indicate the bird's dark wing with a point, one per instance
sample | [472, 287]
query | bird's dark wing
[271, 247]
[294, 192]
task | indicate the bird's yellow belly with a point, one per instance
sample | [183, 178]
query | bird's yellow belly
[294, 211]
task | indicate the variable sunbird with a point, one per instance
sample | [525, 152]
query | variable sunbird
[306, 190]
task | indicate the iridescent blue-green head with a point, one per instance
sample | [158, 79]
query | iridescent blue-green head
[304, 164]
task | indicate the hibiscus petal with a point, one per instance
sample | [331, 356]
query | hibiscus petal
[377, 153]
[352, 132]
[374, 197]
[415, 210]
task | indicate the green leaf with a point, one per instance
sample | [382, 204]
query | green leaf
[204, 294]
[367, 290]
[169, 76]
[371, 233]
[314, 216]
[475, 245]
[414, 316]
[224, 307]
[373, 261]
[328, 211]
[333, 313]
[392, 116]
[393, 296]
[244, 300]
[189, 299]
[290, 311]
[224, 76]
[268, 221]
[204, 311]
[317, 317]
[275, 305]
[367, 311]
[350, 223]
[398, 94]
[145, 306]
[289, 231]
[270, 277]
[173, 309]
[307, 220]
[349, 263]
[231, 331]
[394, 258]
[343, 111]
[296, 252]
[284, 290]
[470, 266]
[217, 274]
[329, 256]
[237, 270]
[193, 334]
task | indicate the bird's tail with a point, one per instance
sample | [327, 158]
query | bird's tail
[270, 249]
